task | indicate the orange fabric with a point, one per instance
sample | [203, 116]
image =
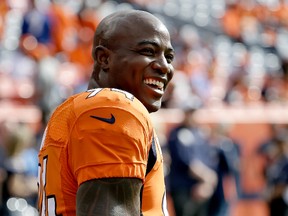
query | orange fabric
[65, 26]
[154, 196]
[78, 148]
[231, 21]
[3, 10]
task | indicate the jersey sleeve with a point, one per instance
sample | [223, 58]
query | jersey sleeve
[110, 140]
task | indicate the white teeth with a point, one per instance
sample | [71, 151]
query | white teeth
[159, 84]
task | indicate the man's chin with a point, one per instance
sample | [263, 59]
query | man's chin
[154, 107]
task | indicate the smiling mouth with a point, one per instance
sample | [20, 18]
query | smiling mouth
[155, 84]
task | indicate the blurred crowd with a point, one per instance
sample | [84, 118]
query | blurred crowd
[229, 53]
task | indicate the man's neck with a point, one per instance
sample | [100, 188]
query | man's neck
[92, 84]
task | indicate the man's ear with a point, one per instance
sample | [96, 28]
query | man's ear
[101, 56]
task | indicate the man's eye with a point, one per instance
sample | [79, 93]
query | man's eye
[169, 58]
[147, 51]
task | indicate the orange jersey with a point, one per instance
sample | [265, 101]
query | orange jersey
[101, 133]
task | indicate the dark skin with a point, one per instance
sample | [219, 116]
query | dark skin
[113, 196]
[132, 51]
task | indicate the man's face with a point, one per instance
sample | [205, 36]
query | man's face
[140, 61]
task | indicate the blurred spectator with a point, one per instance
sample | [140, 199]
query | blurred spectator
[4, 134]
[73, 31]
[21, 167]
[36, 38]
[225, 159]
[191, 182]
[81, 54]
[3, 10]
[275, 151]
[231, 21]
[64, 22]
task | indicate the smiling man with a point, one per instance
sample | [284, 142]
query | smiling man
[100, 154]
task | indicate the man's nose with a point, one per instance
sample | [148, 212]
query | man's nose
[161, 65]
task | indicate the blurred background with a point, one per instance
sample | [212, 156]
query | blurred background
[231, 82]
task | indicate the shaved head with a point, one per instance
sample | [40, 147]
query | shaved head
[110, 28]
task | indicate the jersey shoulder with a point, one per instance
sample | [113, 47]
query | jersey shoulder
[110, 99]
[106, 103]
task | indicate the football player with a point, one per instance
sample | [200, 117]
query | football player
[100, 154]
